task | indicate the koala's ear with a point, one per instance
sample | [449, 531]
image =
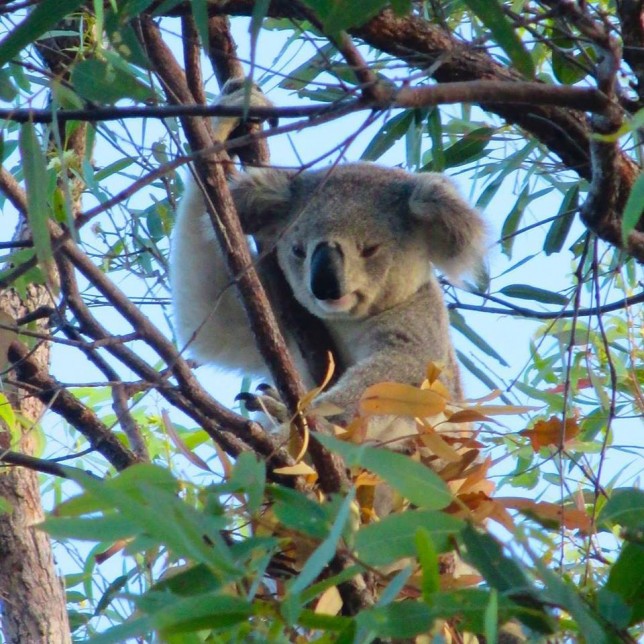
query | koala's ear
[455, 231]
[262, 198]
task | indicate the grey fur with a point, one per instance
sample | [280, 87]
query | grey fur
[383, 227]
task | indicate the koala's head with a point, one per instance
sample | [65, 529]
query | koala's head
[359, 239]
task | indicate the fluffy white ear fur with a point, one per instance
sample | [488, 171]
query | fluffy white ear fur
[456, 232]
[262, 197]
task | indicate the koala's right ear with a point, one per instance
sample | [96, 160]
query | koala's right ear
[262, 198]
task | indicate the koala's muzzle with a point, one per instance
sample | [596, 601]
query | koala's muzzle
[327, 272]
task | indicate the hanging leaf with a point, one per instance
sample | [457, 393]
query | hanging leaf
[527, 292]
[393, 130]
[412, 480]
[491, 15]
[103, 82]
[34, 166]
[466, 150]
[398, 399]
[634, 208]
[42, 18]
[556, 236]
[551, 432]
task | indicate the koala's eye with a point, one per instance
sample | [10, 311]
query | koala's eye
[298, 251]
[370, 251]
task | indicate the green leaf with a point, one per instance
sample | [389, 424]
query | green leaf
[34, 167]
[393, 130]
[634, 208]
[492, 618]
[105, 528]
[401, 7]
[399, 620]
[558, 232]
[5, 506]
[511, 223]
[435, 130]
[103, 82]
[394, 537]
[300, 77]
[613, 608]
[558, 591]
[337, 16]
[111, 592]
[7, 90]
[469, 148]
[565, 69]
[297, 511]
[468, 606]
[625, 508]
[626, 580]
[325, 551]
[459, 323]
[200, 15]
[485, 553]
[428, 561]
[527, 292]
[249, 476]
[491, 15]
[43, 17]
[413, 480]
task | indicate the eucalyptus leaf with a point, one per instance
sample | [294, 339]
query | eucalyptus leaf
[42, 18]
[415, 481]
[491, 15]
[394, 537]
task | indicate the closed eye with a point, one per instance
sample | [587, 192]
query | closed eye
[370, 251]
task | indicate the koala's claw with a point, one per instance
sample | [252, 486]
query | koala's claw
[267, 401]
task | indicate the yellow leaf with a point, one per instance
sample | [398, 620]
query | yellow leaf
[299, 469]
[433, 372]
[309, 396]
[437, 445]
[397, 399]
[329, 603]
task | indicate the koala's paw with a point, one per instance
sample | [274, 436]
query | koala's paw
[234, 93]
[267, 401]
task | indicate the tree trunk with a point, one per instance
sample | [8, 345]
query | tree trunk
[32, 595]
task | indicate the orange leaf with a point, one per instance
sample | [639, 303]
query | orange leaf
[551, 515]
[503, 410]
[399, 399]
[433, 372]
[180, 445]
[551, 432]
[468, 416]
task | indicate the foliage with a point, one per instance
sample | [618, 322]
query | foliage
[213, 534]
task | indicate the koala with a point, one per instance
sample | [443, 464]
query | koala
[356, 244]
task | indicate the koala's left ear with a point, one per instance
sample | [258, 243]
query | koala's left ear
[455, 231]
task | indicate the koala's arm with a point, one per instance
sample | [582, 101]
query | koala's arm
[208, 317]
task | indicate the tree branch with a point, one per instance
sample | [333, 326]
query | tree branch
[229, 233]
[39, 383]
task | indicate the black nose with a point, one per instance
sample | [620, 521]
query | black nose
[327, 272]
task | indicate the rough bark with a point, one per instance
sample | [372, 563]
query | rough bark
[33, 599]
